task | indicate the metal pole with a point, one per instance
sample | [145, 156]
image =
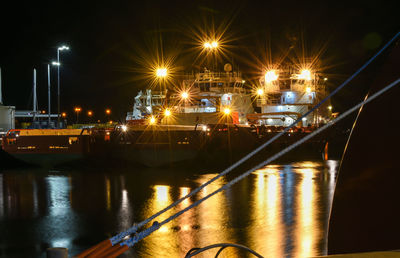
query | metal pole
[34, 95]
[58, 88]
[1, 96]
[48, 93]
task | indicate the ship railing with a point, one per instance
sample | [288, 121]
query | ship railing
[263, 102]
[207, 76]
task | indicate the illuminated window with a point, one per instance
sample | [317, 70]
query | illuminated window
[73, 140]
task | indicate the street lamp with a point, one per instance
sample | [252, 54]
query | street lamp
[77, 110]
[58, 80]
[212, 47]
[161, 75]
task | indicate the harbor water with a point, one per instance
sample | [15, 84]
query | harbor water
[278, 211]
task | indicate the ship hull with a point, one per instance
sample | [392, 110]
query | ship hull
[48, 159]
[216, 146]
[46, 147]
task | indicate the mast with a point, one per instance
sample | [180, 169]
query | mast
[1, 96]
[48, 92]
[34, 95]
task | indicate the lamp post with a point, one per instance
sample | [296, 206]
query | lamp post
[90, 114]
[161, 75]
[48, 93]
[108, 113]
[77, 110]
[212, 47]
[58, 81]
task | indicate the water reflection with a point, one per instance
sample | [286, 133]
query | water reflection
[60, 220]
[279, 211]
[59, 190]
[1, 197]
[160, 241]
[265, 231]
[306, 232]
[212, 215]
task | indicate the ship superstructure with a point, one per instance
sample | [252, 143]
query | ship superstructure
[147, 103]
[287, 93]
[212, 97]
[202, 98]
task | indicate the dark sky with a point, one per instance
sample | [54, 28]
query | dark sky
[109, 39]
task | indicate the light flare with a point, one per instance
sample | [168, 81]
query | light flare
[271, 76]
[305, 75]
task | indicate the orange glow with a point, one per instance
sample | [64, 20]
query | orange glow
[161, 72]
[108, 111]
[270, 76]
[306, 229]
[305, 75]
[211, 45]
[167, 112]
[152, 120]
[77, 109]
[63, 114]
[184, 95]
[90, 113]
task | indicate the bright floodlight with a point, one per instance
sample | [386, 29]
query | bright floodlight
[124, 128]
[55, 63]
[305, 75]
[167, 112]
[207, 45]
[152, 120]
[63, 48]
[214, 44]
[184, 95]
[308, 90]
[260, 92]
[270, 76]
[161, 72]
[227, 111]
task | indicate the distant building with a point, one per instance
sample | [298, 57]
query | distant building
[7, 118]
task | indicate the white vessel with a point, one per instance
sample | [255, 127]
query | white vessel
[203, 98]
[287, 93]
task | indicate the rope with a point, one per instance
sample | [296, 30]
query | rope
[132, 241]
[116, 239]
[195, 251]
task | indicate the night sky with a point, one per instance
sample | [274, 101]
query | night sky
[109, 40]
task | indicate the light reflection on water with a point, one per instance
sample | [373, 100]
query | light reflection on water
[279, 211]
